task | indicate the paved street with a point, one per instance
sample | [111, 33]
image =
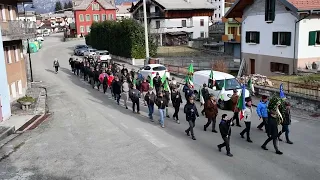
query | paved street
[88, 136]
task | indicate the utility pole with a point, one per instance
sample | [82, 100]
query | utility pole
[146, 30]
[28, 46]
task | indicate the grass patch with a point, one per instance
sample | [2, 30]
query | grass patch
[298, 79]
[173, 51]
[26, 99]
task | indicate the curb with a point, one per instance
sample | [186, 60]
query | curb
[7, 133]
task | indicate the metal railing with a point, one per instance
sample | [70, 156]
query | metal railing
[301, 89]
[18, 29]
[149, 15]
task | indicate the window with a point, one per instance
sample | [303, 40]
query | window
[270, 10]
[281, 38]
[184, 23]
[111, 16]
[202, 34]
[157, 24]
[81, 17]
[219, 15]
[314, 38]
[215, 15]
[88, 17]
[201, 22]
[81, 29]
[229, 85]
[10, 12]
[159, 68]
[88, 29]
[8, 54]
[219, 7]
[16, 53]
[3, 12]
[279, 67]
[19, 87]
[96, 17]
[147, 68]
[103, 17]
[253, 37]
[95, 6]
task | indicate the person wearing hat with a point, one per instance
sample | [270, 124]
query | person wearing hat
[205, 95]
[135, 95]
[191, 112]
[161, 102]
[176, 101]
[262, 111]
[150, 98]
[286, 123]
[211, 112]
[247, 119]
[235, 109]
[157, 82]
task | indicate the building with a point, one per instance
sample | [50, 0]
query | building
[13, 32]
[57, 21]
[174, 22]
[28, 15]
[232, 33]
[278, 36]
[219, 10]
[88, 11]
[123, 10]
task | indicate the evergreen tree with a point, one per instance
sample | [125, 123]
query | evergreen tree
[58, 6]
[65, 6]
[70, 5]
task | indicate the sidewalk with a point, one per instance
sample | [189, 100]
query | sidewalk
[255, 100]
[16, 121]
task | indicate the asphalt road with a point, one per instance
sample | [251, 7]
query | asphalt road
[90, 137]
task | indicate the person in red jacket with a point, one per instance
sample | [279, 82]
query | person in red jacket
[144, 88]
[110, 80]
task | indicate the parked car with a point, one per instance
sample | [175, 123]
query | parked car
[80, 49]
[231, 83]
[39, 38]
[80, 46]
[152, 69]
[103, 55]
[90, 52]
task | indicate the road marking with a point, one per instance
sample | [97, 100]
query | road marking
[150, 138]
[124, 125]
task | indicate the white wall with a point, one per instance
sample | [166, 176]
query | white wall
[30, 18]
[283, 22]
[221, 10]
[304, 50]
[175, 25]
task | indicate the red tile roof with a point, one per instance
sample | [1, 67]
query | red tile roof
[305, 4]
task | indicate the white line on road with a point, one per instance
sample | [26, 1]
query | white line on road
[124, 125]
[150, 138]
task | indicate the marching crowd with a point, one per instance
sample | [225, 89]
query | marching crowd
[125, 84]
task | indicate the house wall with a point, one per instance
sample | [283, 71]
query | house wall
[14, 12]
[4, 90]
[15, 68]
[219, 11]
[91, 12]
[307, 54]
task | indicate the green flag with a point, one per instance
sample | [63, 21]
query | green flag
[223, 89]
[190, 69]
[150, 82]
[166, 86]
[250, 85]
[164, 78]
[134, 82]
[210, 80]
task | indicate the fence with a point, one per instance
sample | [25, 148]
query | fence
[300, 89]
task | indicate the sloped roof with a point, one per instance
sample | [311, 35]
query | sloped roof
[84, 4]
[305, 4]
[185, 4]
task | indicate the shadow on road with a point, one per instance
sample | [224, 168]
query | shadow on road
[50, 70]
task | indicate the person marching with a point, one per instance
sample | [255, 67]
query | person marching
[205, 94]
[110, 80]
[247, 119]
[56, 65]
[96, 73]
[103, 78]
[166, 93]
[262, 111]
[125, 92]
[91, 76]
[116, 89]
[161, 102]
[286, 123]
[188, 92]
[211, 112]
[150, 98]
[135, 95]
[225, 131]
[157, 82]
[144, 89]
[235, 109]
[176, 101]
[191, 112]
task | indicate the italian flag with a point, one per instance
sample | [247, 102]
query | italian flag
[201, 96]
[241, 102]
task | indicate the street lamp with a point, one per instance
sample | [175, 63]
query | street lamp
[146, 29]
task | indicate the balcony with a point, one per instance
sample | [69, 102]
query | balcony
[231, 38]
[139, 15]
[232, 20]
[16, 29]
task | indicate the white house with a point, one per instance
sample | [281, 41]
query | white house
[278, 36]
[219, 10]
[28, 16]
[175, 21]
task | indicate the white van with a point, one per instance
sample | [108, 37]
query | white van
[201, 77]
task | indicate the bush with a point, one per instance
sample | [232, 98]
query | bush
[26, 99]
[220, 65]
[124, 38]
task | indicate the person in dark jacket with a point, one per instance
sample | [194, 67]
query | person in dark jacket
[188, 92]
[124, 70]
[81, 65]
[176, 101]
[157, 82]
[262, 111]
[211, 112]
[96, 73]
[56, 65]
[116, 89]
[205, 95]
[86, 71]
[235, 109]
[285, 124]
[272, 132]
[71, 63]
[135, 96]
[225, 131]
[161, 102]
[77, 67]
[150, 98]
[191, 112]
[91, 76]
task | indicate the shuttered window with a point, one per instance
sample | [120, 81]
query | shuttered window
[270, 6]
[281, 38]
[314, 38]
[253, 37]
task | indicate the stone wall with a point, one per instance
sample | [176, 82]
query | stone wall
[131, 61]
[296, 101]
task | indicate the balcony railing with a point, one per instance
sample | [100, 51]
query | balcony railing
[231, 38]
[149, 15]
[16, 29]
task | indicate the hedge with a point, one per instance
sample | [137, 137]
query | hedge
[122, 38]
